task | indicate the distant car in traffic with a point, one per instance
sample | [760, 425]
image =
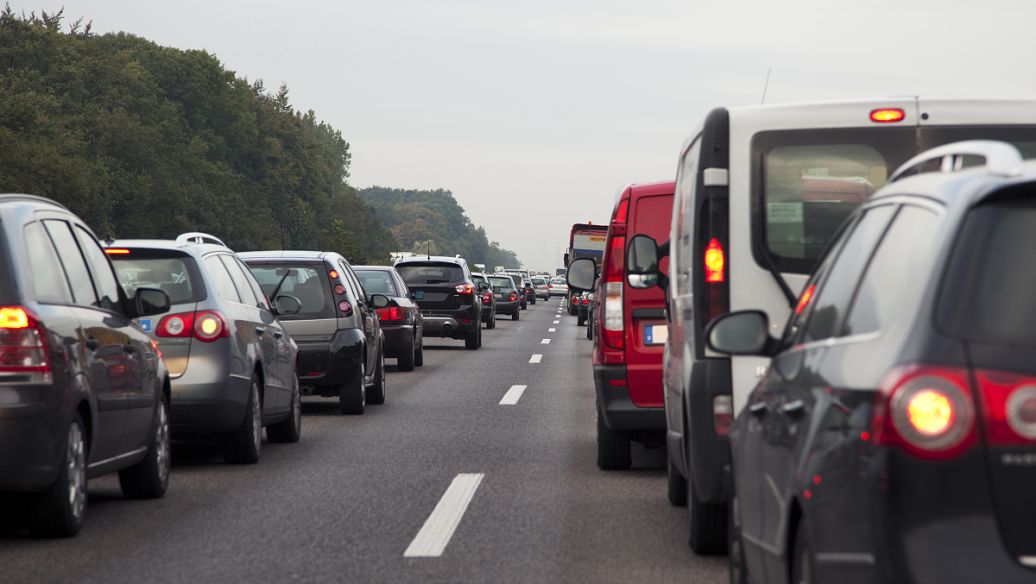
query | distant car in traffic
[340, 342]
[83, 391]
[488, 299]
[542, 287]
[401, 321]
[558, 287]
[583, 308]
[901, 395]
[519, 284]
[449, 299]
[527, 286]
[505, 295]
[232, 364]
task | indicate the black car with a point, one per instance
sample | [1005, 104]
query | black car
[83, 390]
[506, 295]
[488, 299]
[449, 300]
[401, 321]
[519, 284]
[893, 437]
[341, 348]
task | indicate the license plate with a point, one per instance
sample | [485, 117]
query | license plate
[145, 323]
[656, 334]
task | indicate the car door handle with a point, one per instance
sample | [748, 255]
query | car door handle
[92, 343]
[793, 408]
[758, 409]
[260, 330]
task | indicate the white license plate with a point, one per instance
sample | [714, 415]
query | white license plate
[656, 334]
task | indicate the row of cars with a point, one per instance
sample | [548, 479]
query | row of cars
[110, 351]
[825, 319]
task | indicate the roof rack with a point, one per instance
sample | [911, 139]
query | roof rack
[199, 237]
[1002, 159]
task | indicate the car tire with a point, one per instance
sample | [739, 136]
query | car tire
[149, 478]
[408, 358]
[59, 511]
[471, 339]
[352, 395]
[707, 524]
[580, 320]
[419, 353]
[613, 447]
[516, 314]
[491, 324]
[802, 569]
[245, 445]
[676, 485]
[735, 551]
[290, 430]
[533, 300]
[378, 390]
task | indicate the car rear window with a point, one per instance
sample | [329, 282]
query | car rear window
[173, 272]
[501, 284]
[988, 292]
[423, 274]
[377, 282]
[307, 282]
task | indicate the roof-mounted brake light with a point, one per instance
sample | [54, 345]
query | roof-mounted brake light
[887, 115]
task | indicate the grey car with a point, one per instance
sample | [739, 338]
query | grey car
[341, 344]
[231, 362]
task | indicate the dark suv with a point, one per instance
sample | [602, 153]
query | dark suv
[449, 299]
[83, 390]
[901, 397]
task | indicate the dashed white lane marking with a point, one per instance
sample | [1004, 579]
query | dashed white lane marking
[545, 342]
[437, 530]
[556, 322]
[552, 330]
[513, 395]
[536, 358]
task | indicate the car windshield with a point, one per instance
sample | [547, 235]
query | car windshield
[558, 282]
[174, 273]
[501, 284]
[377, 282]
[306, 282]
[423, 274]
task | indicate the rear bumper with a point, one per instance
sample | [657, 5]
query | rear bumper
[507, 307]
[451, 324]
[341, 364]
[209, 407]
[559, 292]
[32, 439]
[398, 339]
[617, 409]
[487, 311]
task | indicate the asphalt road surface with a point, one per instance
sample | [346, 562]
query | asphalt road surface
[443, 483]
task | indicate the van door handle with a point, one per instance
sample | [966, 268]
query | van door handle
[260, 330]
[758, 409]
[793, 408]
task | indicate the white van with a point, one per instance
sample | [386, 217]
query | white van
[760, 192]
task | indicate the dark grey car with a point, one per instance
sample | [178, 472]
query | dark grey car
[83, 391]
[231, 361]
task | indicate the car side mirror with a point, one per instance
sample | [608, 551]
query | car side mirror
[380, 301]
[286, 304]
[642, 262]
[149, 302]
[582, 273]
[745, 332]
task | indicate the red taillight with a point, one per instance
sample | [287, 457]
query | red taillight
[487, 298]
[927, 411]
[715, 262]
[887, 115]
[722, 414]
[513, 297]
[465, 289]
[621, 211]
[612, 322]
[1009, 407]
[205, 325]
[23, 346]
[806, 297]
[345, 308]
[339, 290]
[390, 314]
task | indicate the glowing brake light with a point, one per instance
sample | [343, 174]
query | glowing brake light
[13, 317]
[930, 412]
[116, 251]
[715, 261]
[887, 115]
[927, 411]
[390, 313]
[333, 274]
[23, 347]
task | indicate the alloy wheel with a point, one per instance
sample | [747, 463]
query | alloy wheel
[257, 417]
[76, 455]
[162, 443]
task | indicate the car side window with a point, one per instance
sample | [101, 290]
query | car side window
[836, 291]
[889, 287]
[261, 300]
[244, 290]
[361, 292]
[101, 270]
[681, 243]
[72, 261]
[801, 312]
[404, 292]
[350, 287]
[47, 281]
[222, 285]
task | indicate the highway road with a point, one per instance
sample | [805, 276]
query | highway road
[460, 477]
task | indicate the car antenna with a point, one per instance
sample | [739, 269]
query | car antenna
[428, 249]
[766, 85]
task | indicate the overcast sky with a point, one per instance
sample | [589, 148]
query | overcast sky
[535, 113]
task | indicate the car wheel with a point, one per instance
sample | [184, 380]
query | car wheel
[59, 512]
[580, 320]
[613, 447]
[352, 395]
[377, 394]
[407, 359]
[149, 478]
[802, 568]
[419, 353]
[515, 315]
[532, 300]
[290, 430]
[480, 337]
[735, 551]
[245, 445]
[676, 485]
[492, 320]
[471, 339]
[707, 524]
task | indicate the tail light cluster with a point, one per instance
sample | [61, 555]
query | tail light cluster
[204, 325]
[714, 267]
[722, 414]
[612, 323]
[465, 289]
[1009, 407]
[391, 314]
[487, 298]
[23, 346]
[513, 297]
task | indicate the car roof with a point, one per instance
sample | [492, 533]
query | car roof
[427, 259]
[287, 254]
[34, 200]
[168, 244]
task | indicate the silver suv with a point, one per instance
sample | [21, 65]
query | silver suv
[231, 362]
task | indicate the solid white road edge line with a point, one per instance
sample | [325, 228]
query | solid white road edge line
[545, 342]
[513, 395]
[536, 358]
[435, 534]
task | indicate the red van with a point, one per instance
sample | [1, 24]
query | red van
[631, 331]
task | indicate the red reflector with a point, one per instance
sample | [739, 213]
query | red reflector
[116, 251]
[345, 307]
[617, 382]
[806, 297]
[614, 358]
[887, 115]
[715, 261]
[339, 289]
